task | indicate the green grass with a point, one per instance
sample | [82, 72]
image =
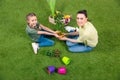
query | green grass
[18, 62]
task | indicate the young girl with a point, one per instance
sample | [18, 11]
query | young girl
[37, 32]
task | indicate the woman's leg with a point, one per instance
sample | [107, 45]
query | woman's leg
[68, 43]
[45, 41]
[80, 48]
[71, 43]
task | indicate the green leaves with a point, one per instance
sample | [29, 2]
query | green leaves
[52, 6]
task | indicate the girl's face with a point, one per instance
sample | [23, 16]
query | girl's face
[32, 21]
[81, 19]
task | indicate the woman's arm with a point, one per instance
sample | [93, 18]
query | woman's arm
[71, 34]
[68, 39]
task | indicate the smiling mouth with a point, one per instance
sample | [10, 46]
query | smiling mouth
[34, 24]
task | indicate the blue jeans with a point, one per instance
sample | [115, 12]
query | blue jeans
[43, 41]
[77, 47]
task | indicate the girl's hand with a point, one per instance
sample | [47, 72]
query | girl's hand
[57, 36]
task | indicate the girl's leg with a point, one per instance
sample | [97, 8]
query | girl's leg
[80, 48]
[45, 41]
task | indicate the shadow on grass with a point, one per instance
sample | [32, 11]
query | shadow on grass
[118, 2]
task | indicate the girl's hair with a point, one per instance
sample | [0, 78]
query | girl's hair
[30, 15]
[83, 12]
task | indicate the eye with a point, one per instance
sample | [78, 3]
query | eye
[79, 18]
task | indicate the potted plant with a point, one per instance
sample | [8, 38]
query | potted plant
[57, 17]
[52, 8]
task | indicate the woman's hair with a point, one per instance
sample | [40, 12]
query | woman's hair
[30, 15]
[83, 12]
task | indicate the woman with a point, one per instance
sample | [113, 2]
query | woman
[86, 38]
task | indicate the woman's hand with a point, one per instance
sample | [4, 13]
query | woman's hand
[62, 38]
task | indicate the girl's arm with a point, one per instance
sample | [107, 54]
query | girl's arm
[47, 33]
[46, 28]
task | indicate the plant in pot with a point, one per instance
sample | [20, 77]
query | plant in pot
[56, 17]
[52, 8]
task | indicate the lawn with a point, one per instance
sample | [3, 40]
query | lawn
[18, 62]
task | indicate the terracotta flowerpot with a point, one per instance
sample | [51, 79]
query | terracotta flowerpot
[51, 20]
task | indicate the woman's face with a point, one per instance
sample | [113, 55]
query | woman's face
[81, 19]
